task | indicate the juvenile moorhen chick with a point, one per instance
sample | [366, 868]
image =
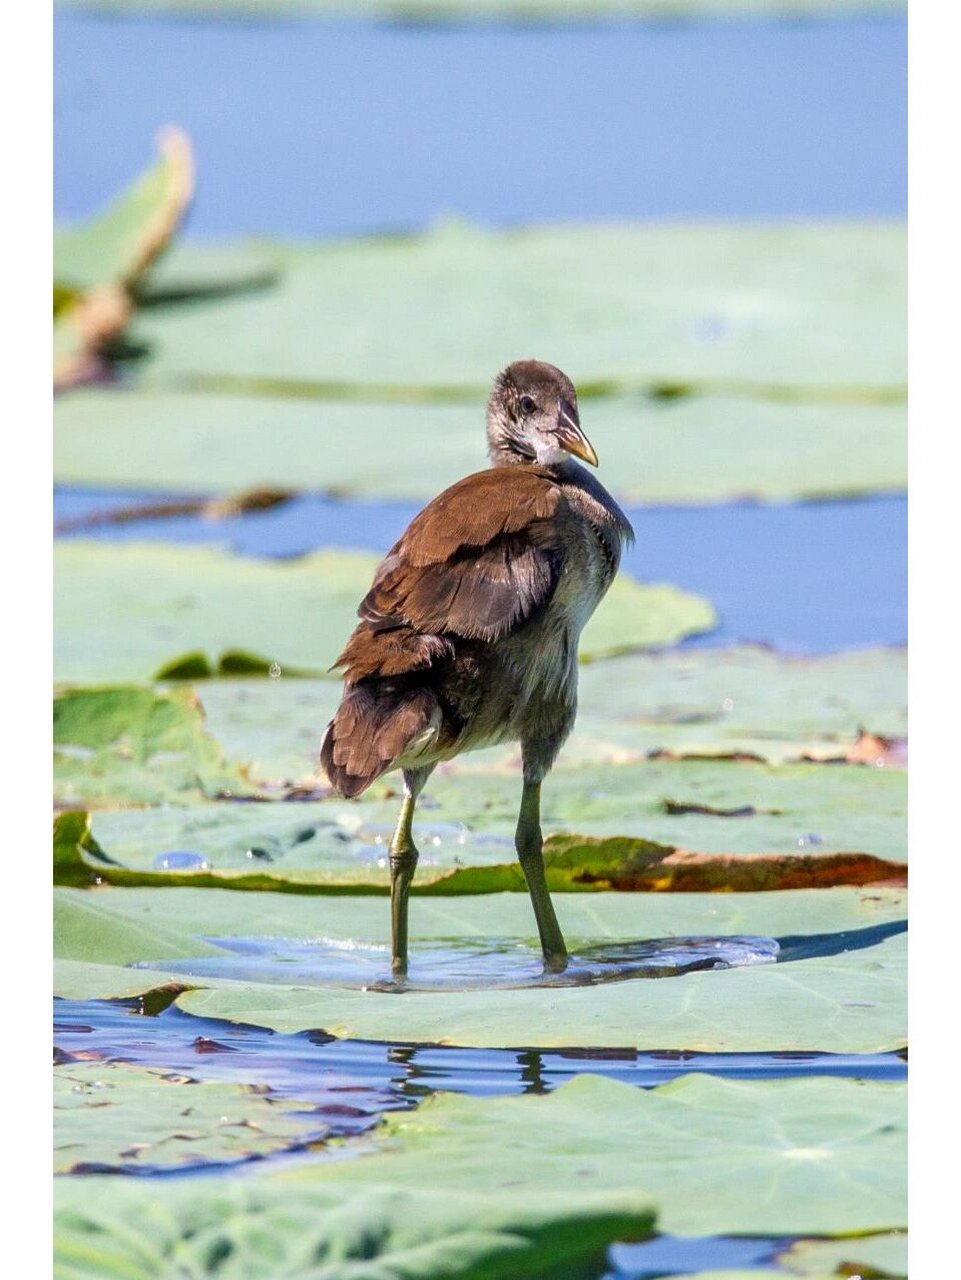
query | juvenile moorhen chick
[468, 635]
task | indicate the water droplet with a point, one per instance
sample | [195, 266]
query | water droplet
[811, 838]
[180, 860]
[260, 854]
[274, 671]
[727, 704]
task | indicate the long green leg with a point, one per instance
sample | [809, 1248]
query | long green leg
[403, 864]
[529, 843]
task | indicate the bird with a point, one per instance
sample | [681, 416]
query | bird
[468, 635]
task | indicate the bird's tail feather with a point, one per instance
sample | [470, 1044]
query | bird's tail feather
[374, 725]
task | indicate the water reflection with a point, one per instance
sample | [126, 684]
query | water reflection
[354, 1081]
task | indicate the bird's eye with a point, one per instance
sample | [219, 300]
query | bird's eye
[527, 405]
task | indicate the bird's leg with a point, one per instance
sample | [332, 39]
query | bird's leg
[403, 864]
[529, 843]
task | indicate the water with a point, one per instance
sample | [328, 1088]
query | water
[365, 1078]
[805, 578]
[494, 964]
[180, 860]
[379, 126]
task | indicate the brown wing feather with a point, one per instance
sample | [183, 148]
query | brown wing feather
[476, 562]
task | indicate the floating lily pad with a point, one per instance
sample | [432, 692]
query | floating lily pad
[780, 1157]
[702, 449]
[818, 308]
[844, 998]
[125, 611]
[485, 10]
[270, 1228]
[130, 744]
[731, 702]
[877, 1257]
[605, 826]
[112, 1115]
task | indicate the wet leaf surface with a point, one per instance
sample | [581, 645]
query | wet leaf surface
[127, 611]
[843, 998]
[810, 827]
[706, 448]
[110, 1115]
[812, 307]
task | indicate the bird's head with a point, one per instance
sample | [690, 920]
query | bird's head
[532, 417]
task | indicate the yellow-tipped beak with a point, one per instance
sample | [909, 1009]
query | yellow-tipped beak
[571, 438]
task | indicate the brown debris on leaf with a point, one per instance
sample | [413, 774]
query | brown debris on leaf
[873, 749]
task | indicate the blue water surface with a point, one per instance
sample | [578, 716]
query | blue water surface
[806, 578]
[308, 128]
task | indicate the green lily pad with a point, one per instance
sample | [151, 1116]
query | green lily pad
[708, 448]
[851, 1002]
[314, 852]
[730, 702]
[632, 825]
[779, 1157]
[880, 1257]
[113, 1115]
[270, 1228]
[485, 10]
[124, 611]
[818, 308]
[130, 744]
[714, 1155]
